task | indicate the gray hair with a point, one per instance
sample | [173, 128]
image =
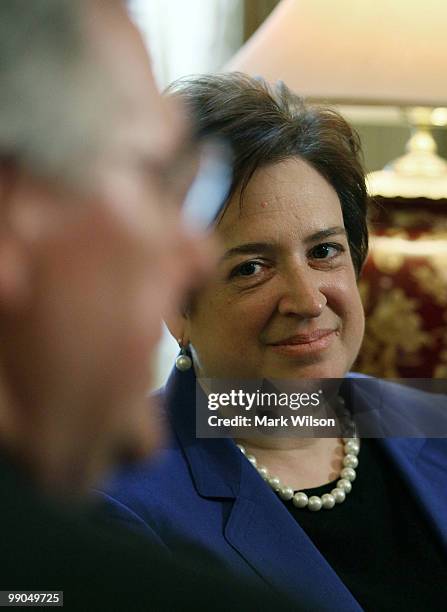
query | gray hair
[51, 92]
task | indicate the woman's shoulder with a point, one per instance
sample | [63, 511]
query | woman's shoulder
[403, 407]
[417, 390]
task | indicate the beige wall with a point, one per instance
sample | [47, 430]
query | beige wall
[255, 11]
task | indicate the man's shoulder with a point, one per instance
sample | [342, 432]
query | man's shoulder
[168, 459]
[101, 568]
[148, 484]
[47, 545]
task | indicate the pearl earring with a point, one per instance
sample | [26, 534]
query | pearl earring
[183, 361]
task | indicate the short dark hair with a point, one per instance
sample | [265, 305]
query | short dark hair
[267, 124]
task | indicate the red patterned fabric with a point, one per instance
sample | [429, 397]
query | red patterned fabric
[404, 290]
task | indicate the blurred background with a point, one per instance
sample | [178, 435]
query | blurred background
[382, 64]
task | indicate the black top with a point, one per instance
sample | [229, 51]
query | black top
[378, 540]
[49, 547]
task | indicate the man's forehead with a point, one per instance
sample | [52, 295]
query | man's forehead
[146, 121]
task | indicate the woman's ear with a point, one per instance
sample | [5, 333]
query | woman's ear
[178, 325]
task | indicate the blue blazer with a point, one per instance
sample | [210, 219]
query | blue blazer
[203, 492]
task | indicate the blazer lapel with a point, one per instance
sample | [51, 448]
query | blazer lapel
[262, 530]
[259, 527]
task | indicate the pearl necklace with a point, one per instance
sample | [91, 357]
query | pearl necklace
[314, 503]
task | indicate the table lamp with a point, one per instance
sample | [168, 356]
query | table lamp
[369, 52]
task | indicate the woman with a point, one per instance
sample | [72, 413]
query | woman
[284, 304]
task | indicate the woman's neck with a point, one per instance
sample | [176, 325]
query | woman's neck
[301, 463]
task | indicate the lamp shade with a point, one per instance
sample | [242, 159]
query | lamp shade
[390, 52]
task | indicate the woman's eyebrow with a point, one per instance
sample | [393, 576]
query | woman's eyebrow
[269, 247]
[249, 248]
[337, 230]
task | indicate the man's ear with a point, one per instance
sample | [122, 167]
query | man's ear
[30, 210]
[14, 258]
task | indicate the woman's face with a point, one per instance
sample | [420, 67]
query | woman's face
[284, 302]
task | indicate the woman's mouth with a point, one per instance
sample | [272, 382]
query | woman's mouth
[305, 344]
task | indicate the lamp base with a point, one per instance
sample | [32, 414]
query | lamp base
[421, 172]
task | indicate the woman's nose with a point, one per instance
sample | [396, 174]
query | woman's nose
[302, 293]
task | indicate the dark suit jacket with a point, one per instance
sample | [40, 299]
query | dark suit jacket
[202, 492]
[47, 546]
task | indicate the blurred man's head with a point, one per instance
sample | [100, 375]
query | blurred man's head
[92, 250]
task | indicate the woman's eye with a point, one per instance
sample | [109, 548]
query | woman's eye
[326, 251]
[249, 268]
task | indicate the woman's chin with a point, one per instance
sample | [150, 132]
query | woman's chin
[311, 370]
